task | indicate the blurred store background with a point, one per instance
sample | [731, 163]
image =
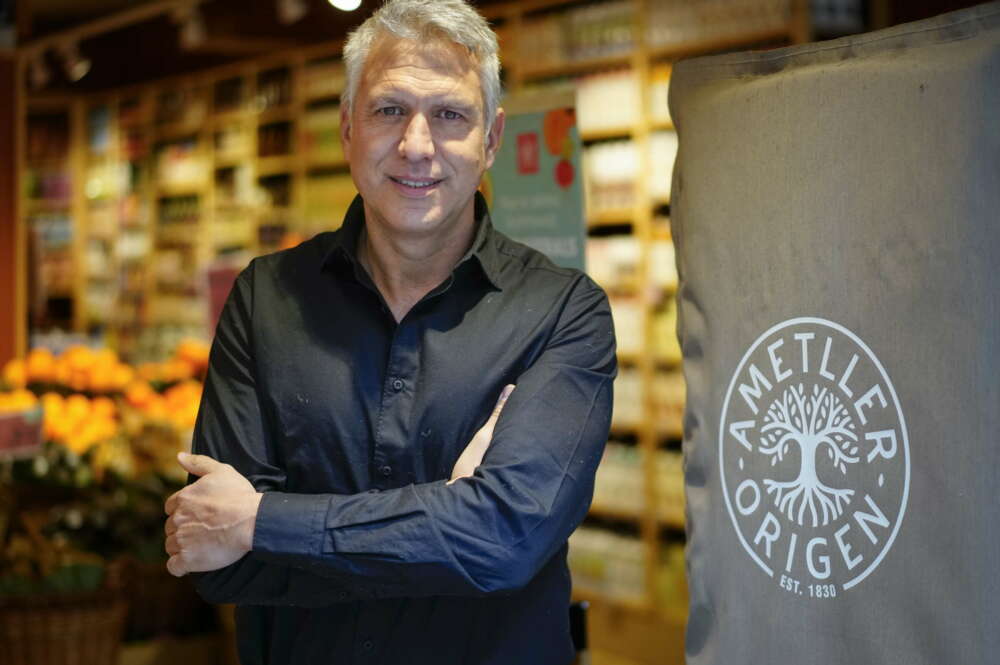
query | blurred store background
[149, 149]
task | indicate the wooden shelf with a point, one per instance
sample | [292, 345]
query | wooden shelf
[672, 521]
[52, 164]
[170, 190]
[575, 67]
[276, 115]
[613, 513]
[226, 118]
[231, 161]
[326, 164]
[630, 429]
[610, 217]
[178, 131]
[633, 603]
[631, 359]
[276, 165]
[721, 43]
[607, 134]
[47, 205]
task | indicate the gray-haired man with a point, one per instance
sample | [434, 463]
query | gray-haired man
[362, 495]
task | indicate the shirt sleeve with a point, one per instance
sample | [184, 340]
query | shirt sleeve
[489, 533]
[231, 428]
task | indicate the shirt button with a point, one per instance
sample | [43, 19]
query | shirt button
[368, 645]
[397, 385]
[386, 471]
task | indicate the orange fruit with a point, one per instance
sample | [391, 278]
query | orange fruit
[40, 365]
[15, 373]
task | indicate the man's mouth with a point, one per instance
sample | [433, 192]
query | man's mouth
[417, 183]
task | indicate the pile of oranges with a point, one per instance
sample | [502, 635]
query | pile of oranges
[86, 394]
[177, 405]
[77, 422]
[79, 369]
[190, 360]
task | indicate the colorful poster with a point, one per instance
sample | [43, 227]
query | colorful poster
[534, 188]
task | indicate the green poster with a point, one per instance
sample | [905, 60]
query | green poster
[534, 188]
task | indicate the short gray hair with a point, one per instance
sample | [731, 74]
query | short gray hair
[419, 20]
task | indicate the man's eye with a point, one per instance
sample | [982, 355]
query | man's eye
[390, 111]
[451, 115]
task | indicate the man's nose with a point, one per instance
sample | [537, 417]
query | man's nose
[417, 142]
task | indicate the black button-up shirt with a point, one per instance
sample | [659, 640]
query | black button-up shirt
[350, 424]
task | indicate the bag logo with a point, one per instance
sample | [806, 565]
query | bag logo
[814, 457]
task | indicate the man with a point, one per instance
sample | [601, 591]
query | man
[372, 500]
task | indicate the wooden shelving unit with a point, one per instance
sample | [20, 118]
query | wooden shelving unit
[647, 628]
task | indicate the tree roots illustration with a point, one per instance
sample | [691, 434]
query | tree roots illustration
[813, 422]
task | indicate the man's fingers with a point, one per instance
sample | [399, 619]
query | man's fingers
[171, 545]
[197, 465]
[504, 394]
[175, 566]
[171, 503]
[170, 528]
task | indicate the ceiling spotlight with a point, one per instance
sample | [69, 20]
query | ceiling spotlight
[290, 11]
[346, 5]
[76, 66]
[193, 32]
[38, 73]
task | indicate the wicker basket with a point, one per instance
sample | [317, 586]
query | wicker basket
[72, 629]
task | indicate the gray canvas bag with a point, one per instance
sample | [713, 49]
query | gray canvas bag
[836, 212]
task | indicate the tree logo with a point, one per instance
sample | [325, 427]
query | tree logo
[814, 457]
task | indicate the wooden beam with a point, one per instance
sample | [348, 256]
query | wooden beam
[23, 17]
[225, 45]
[12, 310]
[122, 19]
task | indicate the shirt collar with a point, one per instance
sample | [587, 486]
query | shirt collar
[484, 250]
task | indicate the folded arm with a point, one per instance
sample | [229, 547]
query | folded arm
[487, 533]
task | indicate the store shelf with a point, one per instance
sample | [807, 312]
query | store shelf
[721, 43]
[613, 513]
[633, 603]
[276, 115]
[178, 131]
[534, 72]
[326, 164]
[169, 190]
[628, 359]
[228, 118]
[276, 165]
[607, 134]
[610, 217]
[672, 520]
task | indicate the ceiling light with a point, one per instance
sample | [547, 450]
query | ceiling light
[346, 5]
[193, 33]
[290, 11]
[76, 66]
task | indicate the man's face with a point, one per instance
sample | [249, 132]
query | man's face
[415, 136]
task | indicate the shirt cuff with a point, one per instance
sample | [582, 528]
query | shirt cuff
[290, 524]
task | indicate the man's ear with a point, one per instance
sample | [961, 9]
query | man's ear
[495, 137]
[345, 129]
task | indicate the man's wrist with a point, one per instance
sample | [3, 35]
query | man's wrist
[251, 521]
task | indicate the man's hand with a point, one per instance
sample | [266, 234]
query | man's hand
[473, 454]
[211, 521]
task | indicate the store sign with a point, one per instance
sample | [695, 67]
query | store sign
[534, 188]
[814, 457]
[20, 434]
